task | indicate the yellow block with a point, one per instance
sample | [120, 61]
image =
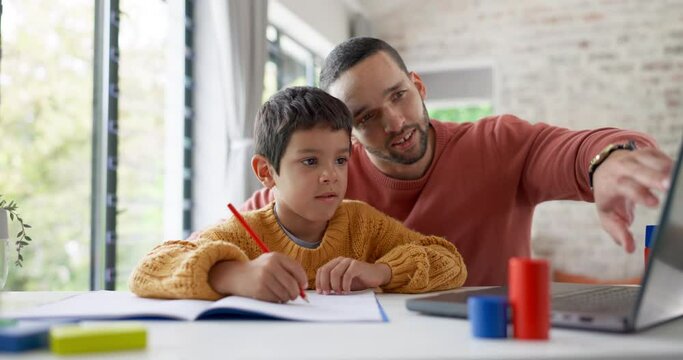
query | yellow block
[77, 339]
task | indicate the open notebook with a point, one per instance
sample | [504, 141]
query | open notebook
[116, 305]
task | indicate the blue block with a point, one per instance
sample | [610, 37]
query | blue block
[649, 235]
[23, 337]
[488, 316]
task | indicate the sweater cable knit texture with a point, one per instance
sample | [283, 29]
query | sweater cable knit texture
[419, 263]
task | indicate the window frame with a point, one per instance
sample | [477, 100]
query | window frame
[276, 55]
[105, 146]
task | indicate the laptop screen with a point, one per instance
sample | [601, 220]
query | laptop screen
[661, 298]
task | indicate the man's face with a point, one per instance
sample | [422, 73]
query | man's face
[313, 174]
[389, 116]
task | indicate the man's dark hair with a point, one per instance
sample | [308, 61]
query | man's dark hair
[349, 53]
[292, 109]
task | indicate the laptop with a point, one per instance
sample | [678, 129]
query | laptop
[659, 298]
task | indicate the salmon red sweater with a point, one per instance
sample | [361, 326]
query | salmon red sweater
[483, 184]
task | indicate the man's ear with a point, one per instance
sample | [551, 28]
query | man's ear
[417, 80]
[262, 170]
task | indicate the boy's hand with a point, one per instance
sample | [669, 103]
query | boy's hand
[342, 275]
[270, 277]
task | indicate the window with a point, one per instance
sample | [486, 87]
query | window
[46, 122]
[142, 78]
[46, 128]
[289, 63]
[459, 94]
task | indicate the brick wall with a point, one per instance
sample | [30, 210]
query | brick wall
[572, 63]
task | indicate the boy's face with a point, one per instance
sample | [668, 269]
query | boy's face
[313, 174]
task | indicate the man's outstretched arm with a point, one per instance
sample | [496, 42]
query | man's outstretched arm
[558, 162]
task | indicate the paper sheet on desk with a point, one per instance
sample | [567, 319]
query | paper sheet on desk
[113, 305]
[360, 306]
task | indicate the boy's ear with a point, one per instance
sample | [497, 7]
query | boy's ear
[262, 170]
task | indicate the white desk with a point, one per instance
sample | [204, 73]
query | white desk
[407, 336]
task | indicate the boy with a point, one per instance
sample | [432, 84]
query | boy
[316, 240]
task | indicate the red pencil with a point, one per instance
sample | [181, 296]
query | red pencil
[258, 241]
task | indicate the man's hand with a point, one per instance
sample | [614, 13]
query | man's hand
[342, 275]
[270, 277]
[624, 179]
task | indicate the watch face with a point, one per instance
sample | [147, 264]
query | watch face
[598, 158]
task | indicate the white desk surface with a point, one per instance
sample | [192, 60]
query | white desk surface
[407, 335]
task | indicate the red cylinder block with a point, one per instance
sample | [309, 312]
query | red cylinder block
[529, 296]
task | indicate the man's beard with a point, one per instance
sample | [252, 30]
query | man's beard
[395, 157]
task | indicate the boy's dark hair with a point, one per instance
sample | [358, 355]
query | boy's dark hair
[292, 109]
[352, 51]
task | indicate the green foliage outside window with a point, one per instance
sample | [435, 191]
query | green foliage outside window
[461, 113]
[45, 122]
[142, 79]
[46, 130]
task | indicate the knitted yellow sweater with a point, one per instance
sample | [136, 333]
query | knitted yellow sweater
[419, 263]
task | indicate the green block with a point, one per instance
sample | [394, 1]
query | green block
[78, 339]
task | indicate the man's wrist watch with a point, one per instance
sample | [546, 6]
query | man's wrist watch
[602, 156]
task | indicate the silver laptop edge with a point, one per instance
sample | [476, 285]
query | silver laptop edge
[661, 295]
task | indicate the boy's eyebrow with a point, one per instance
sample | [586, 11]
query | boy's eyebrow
[317, 151]
[386, 92]
[301, 151]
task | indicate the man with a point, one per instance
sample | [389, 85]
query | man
[477, 184]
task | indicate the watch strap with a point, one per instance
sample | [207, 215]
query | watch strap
[604, 154]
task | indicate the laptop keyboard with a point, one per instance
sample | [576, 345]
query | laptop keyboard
[607, 299]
